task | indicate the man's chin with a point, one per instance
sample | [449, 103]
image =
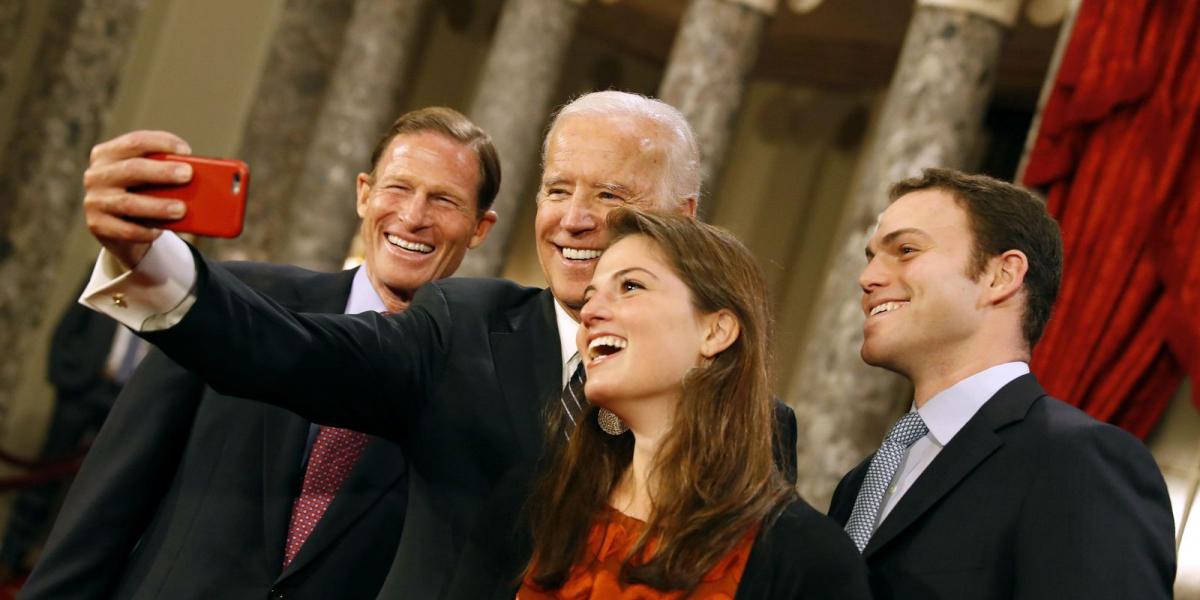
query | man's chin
[874, 357]
[569, 290]
[570, 299]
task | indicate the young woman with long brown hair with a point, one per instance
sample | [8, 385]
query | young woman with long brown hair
[668, 488]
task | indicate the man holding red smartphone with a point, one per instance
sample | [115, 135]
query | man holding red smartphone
[188, 493]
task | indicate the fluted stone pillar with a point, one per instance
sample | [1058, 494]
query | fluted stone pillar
[931, 117]
[22, 143]
[362, 100]
[512, 103]
[710, 63]
[59, 122]
[295, 76]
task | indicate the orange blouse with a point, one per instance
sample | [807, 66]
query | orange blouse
[612, 538]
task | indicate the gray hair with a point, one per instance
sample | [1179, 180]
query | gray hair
[683, 153]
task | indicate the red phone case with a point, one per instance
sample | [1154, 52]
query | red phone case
[215, 197]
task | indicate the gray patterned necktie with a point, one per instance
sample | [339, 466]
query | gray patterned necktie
[883, 468]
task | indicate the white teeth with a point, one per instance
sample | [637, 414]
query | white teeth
[887, 307]
[580, 253]
[610, 341]
[414, 246]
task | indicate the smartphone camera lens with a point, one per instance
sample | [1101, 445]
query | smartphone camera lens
[237, 183]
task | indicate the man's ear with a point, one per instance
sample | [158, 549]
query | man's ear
[363, 189]
[482, 227]
[1007, 275]
[721, 329]
[689, 205]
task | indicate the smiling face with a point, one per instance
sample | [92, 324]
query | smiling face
[922, 309]
[639, 333]
[419, 213]
[593, 164]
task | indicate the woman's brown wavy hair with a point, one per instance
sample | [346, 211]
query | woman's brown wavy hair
[714, 477]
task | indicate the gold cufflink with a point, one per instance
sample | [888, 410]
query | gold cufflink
[118, 299]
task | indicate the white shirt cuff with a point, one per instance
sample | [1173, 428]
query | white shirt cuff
[154, 295]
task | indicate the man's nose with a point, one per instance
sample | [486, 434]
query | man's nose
[579, 215]
[414, 211]
[873, 276]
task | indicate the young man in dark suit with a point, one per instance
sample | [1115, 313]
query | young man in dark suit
[466, 377]
[989, 488]
[189, 493]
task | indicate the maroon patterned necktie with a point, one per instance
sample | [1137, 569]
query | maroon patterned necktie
[333, 455]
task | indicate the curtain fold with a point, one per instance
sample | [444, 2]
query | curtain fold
[1118, 153]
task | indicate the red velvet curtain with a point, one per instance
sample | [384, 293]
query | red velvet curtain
[1118, 153]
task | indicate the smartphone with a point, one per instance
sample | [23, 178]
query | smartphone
[215, 197]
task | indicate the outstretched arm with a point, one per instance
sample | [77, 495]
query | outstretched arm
[364, 372]
[367, 372]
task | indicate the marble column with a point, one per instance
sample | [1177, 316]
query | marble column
[932, 116]
[295, 76]
[512, 103]
[715, 49]
[51, 48]
[62, 117]
[361, 102]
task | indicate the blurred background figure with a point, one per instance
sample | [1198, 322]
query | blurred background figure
[91, 357]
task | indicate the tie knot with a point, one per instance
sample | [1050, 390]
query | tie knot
[907, 430]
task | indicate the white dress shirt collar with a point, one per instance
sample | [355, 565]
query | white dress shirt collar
[567, 329]
[363, 297]
[947, 412]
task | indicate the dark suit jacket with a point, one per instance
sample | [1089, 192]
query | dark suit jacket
[187, 493]
[462, 380]
[1032, 499]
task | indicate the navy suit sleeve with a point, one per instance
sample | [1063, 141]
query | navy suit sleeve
[118, 488]
[1098, 523]
[367, 372]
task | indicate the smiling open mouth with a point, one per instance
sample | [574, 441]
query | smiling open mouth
[604, 346]
[407, 245]
[580, 253]
[887, 307]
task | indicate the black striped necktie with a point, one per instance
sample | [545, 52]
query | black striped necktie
[573, 401]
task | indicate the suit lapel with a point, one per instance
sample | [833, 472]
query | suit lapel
[284, 438]
[842, 503]
[285, 435]
[528, 362]
[970, 447]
